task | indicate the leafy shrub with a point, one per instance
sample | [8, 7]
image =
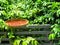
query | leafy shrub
[36, 11]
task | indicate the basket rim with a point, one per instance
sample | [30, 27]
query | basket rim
[16, 20]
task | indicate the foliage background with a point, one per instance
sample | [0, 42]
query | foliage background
[36, 11]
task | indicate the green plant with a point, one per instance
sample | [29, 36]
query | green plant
[25, 41]
[55, 31]
[36, 11]
[2, 25]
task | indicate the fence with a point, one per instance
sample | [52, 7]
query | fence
[37, 31]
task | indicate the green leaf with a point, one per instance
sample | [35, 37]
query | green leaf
[16, 42]
[52, 36]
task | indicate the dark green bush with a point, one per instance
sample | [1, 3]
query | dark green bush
[36, 11]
